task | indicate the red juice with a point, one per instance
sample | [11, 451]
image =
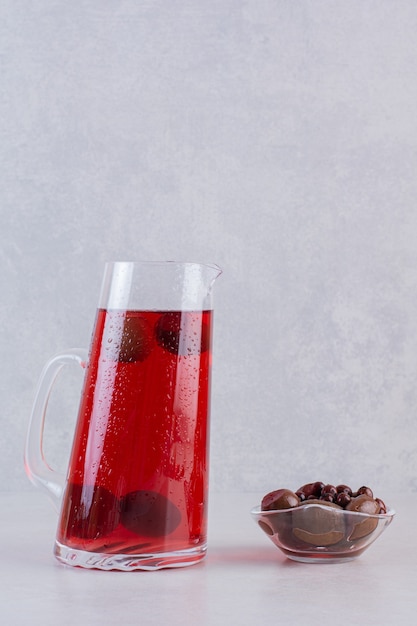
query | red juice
[138, 474]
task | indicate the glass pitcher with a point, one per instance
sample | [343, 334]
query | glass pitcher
[135, 493]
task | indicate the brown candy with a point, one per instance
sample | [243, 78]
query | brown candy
[319, 539]
[363, 504]
[279, 499]
[316, 517]
[318, 525]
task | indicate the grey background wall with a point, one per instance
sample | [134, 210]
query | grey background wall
[276, 138]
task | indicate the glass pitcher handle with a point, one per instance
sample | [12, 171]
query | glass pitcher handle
[36, 466]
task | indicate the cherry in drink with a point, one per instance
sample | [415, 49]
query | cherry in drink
[138, 473]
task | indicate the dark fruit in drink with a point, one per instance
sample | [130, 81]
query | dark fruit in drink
[90, 512]
[149, 514]
[182, 334]
[127, 338]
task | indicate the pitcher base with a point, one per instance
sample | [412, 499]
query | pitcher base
[129, 562]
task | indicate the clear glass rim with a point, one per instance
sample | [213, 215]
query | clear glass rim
[158, 285]
[212, 266]
[257, 512]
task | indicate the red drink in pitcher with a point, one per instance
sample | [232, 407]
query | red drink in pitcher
[137, 480]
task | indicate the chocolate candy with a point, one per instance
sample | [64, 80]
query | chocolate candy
[318, 525]
[323, 525]
[363, 504]
[279, 499]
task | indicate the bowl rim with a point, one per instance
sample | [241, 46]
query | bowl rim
[256, 511]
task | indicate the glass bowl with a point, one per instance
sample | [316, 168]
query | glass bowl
[316, 533]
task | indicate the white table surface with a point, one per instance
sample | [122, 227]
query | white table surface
[243, 580]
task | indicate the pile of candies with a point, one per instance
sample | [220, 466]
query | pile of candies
[340, 496]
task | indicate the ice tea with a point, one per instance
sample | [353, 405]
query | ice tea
[137, 478]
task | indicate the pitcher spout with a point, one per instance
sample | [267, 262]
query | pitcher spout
[197, 285]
